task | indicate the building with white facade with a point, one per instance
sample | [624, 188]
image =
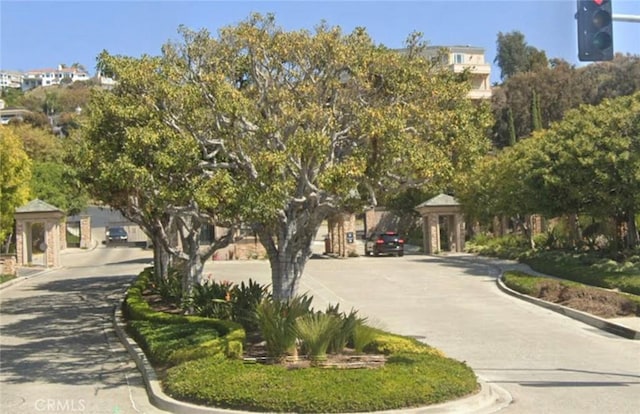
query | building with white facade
[10, 79]
[48, 77]
[461, 58]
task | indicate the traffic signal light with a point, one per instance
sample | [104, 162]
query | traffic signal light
[595, 30]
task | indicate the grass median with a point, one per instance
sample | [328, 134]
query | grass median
[204, 361]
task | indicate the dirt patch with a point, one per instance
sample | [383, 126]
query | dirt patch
[255, 351]
[158, 304]
[598, 302]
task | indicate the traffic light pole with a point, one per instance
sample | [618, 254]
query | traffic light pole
[625, 18]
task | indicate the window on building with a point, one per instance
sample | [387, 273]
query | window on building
[458, 58]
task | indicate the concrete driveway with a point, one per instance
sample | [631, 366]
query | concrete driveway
[548, 363]
[59, 353]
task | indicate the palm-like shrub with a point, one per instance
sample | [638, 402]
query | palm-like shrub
[345, 333]
[277, 321]
[245, 299]
[170, 289]
[317, 330]
[362, 336]
[212, 299]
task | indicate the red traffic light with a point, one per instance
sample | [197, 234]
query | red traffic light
[595, 30]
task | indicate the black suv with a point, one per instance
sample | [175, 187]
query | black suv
[117, 234]
[388, 242]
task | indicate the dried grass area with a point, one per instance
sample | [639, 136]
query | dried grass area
[598, 302]
[256, 352]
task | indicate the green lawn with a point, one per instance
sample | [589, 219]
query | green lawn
[6, 278]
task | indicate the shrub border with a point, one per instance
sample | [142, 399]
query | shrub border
[584, 317]
[489, 395]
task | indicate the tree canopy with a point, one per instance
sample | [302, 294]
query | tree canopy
[515, 56]
[15, 175]
[303, 124]
[587, 163]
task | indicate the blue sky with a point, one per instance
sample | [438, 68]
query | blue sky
[40, 34]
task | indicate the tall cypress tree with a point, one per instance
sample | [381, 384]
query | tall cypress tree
[536, 118]
[512, 129]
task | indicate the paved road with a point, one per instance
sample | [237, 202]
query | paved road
[58, 349]
[549, 363]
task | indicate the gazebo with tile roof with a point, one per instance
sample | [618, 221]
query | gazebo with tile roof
[37, 211]
[442, 211]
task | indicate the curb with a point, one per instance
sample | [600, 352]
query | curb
[19, 279]
[584, 317]
[489, 399]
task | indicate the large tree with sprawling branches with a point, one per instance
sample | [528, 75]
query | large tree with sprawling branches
[307, 123]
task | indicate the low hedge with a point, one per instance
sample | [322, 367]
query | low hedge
[406, 380]
[532, 285]
[588, 269]
[202, 357]
[386, 343]
[172, 338]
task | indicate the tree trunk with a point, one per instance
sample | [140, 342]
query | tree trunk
[632, 230]
[190, 236]
[288, 245]
[7, 244]
[574, 230]
[161, 259]
[285, 275]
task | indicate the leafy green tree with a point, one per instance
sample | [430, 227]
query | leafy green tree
[515, 56]
[135, 163]
[620, 77]
[596, 157]
[512, 129]
[297, 125]
[12, 97]
[311, 122]
[536, 118]
[586, 164]
[54, 183]
[15, 174]
[40, 144]
[53, 179]
[559, 88]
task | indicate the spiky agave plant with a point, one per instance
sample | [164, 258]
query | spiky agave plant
[347, 325]
[316, 330]
[277, 319]
[363, 335]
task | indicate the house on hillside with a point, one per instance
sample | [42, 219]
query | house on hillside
[48, 77]
[461, 58]
[10, 79]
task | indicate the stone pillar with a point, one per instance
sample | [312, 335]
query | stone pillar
[340, 226]
[85, 232]
[350, 234]
[24, 253]
[8, 264]
[63, 235]
[433, 244]
[20, 244]
[52, 237]
[458, 234]
[425, 234]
